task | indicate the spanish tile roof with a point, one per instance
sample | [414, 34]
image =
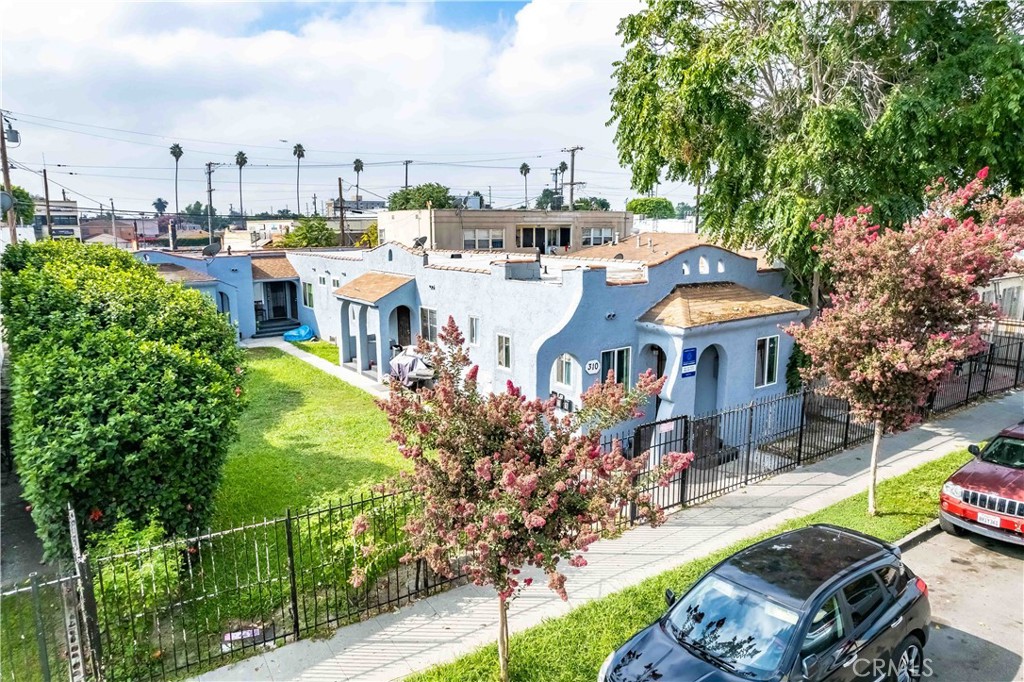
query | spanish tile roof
[179, 273]
[372, 286]
[657, 247]
[694, 305]
[276, 267]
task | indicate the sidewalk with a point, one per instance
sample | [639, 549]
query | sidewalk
[443, 627]
[347, 375]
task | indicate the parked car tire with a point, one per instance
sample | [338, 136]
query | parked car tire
[908, 661]
[950, 528]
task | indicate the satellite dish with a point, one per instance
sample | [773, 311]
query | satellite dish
[212, 249]
[419, 242]
[6, 202]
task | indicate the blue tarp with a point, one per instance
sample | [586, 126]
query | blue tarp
[303, 333]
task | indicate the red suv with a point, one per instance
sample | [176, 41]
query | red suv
[986, 495]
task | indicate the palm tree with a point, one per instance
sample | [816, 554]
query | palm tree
[160, 205]
[177, 153]
[240, 160]
[524, 170]
[299, 152]
[357, 166]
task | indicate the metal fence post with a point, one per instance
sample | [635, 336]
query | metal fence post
[803, 421]
[44, 656]
[1020, 362]
[988, 367]
[970, 379]
[291, 573]
[750, 443]
[685, 476]
[846, 428]
[636, 452]
[90, 614]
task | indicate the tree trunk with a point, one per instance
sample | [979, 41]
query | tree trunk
[503, 638]
[172, 236]
[874, 467]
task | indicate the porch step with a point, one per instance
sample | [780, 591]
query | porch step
[275, 328]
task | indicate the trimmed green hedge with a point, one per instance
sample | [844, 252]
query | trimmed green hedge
[126, 390]
[572, 647]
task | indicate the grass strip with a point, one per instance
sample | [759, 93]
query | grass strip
[321, 349]
[571, 648]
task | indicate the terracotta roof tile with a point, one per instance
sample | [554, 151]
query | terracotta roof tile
[695, 305]
[276, 267]
[658, 247]
[372, 286]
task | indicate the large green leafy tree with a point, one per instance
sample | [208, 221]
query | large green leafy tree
[310, 232]
[437, 194]
[784, 111]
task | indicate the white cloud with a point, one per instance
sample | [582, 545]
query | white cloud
[384, 82]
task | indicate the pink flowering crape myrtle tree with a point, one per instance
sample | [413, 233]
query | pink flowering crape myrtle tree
[506, 482]
[906, 306]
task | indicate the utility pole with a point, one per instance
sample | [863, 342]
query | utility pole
[209, 198]
[341, 211]
[406, 164]
[46, 193]
[113, 225]
[314, 203]
[696, 211]
[490, 199]
[572, 172]
[7, 181]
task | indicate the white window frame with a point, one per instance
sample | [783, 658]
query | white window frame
[428, 327]
[307, 294]
[483, 238]
[335, 283]
[763, 369]
[564, 370]
[615, 364]
[473, 331]
[323, 281]
[505, 351]
[595, 236]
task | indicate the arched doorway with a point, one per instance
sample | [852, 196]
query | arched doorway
[403, 325]
[654, 357]
[706, 387]
[223, 304]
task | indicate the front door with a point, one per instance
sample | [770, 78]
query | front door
[404, 326]
[277, 293]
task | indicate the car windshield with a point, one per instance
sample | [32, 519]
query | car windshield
[732, 627]
[1008, 452]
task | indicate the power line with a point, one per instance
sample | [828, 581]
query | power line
[239, 144]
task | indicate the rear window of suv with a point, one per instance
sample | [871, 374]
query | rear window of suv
[1007, 452]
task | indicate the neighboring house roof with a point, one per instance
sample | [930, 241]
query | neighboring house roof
[657, 247]
[276, 267]
[694, 305]
[179, 273]
[372, 286]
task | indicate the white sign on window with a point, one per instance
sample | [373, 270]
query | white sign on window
[593, 366]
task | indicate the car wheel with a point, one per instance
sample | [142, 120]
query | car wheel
[950, 528]
[906, 664]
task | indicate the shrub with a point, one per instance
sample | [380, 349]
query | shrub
[121, 428]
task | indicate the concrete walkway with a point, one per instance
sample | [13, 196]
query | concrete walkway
[347, 375]
[445, 626]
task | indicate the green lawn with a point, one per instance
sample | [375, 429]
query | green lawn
[327, 351]
[302, 433]
[573, 647]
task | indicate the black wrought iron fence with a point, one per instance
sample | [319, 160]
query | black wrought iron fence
[176, 609]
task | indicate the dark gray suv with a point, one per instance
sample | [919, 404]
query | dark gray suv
[818, 603]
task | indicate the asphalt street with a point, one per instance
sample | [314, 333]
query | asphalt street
[976, 587]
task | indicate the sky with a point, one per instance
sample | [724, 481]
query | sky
[466, 90]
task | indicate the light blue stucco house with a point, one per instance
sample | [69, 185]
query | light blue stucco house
[710, 320]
